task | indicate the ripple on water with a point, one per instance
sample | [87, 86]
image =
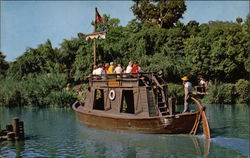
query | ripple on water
[240, 145]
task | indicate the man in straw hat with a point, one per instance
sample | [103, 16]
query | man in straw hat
[188, 92]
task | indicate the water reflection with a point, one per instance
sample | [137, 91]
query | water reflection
[144, 145]
[229, 120]
[57, 133]
[14, 149]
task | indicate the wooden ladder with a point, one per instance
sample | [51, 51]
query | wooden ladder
[161, 97]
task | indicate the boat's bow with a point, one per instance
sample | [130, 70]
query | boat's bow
[206, 129]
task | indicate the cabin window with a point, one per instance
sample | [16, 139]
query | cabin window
[99, 99]
[127, 102]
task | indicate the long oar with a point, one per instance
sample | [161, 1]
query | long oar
[206, 129]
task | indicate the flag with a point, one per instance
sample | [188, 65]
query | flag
[98, 17]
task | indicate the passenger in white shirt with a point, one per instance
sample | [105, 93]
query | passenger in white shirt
[98, 72]
[129, 67]
[118, 69]
[94, 70]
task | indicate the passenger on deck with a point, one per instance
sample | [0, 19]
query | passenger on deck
[111, 68]
[129, 67]
[139, 67]
[94, 70]
[188, 92]
[118, 69]
[135, 68]
[106, 67]
[98, 72]
[202, 85]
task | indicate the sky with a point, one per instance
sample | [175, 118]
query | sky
[27, 24]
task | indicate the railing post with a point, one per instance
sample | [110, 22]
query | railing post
[15, 124]
[21, 130]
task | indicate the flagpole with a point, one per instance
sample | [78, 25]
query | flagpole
[94, 44]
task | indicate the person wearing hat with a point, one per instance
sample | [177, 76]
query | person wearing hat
[188, 92]
[111, 68]
[68, 87]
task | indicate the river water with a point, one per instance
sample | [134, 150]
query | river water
[57, 133]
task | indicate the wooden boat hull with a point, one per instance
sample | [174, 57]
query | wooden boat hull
[175, 124]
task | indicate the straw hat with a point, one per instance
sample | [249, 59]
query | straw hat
[185, 78]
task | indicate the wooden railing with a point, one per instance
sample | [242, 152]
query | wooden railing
[125, 76]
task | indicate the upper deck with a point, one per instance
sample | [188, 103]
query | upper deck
[123, 80]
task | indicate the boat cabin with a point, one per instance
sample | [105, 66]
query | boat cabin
[140, 94]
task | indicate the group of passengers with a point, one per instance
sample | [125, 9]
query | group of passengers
[111, 68]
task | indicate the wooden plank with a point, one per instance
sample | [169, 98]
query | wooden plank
[113, 84]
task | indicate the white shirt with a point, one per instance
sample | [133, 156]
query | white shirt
[98, 71]
[118, 70]
[128, 69]
[94, 72]
[188, 88]
[202, 82]
[139, 69]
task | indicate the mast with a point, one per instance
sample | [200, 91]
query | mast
[94, 44]
[95, 35]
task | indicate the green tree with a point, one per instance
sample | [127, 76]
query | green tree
[3, 65]
[164, 13]
[239, 20]
[34, 60]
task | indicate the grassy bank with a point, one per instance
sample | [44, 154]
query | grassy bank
[43, 90]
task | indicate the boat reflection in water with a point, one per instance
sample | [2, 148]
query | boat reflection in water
[123, 144]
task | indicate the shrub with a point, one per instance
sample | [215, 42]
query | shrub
[220, 93]
[242, 89]
[10, 94]
[177, 92]
[42, 90]
[228, 95]
[215, 94]
[60, 99]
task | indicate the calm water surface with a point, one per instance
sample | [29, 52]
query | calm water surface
[57, 133]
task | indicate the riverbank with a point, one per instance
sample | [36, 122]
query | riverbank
[49, 90]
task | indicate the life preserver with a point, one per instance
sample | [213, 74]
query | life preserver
[112, 94]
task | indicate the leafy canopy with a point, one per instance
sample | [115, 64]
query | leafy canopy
[164, 13]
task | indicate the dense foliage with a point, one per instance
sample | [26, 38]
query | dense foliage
[3, 66]
[217, 51]
[242, 89]
[163, 13]
[43, 90]
[228, 93]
